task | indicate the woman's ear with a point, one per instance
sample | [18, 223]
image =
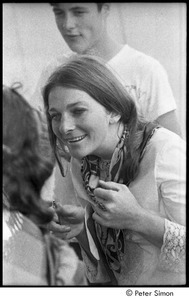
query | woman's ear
[114, 118]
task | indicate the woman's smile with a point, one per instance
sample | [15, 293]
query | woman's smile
[76, 139]
[82, 123]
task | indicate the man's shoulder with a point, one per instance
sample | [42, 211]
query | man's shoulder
[136, 58]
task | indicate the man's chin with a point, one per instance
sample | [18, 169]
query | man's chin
[76, 48]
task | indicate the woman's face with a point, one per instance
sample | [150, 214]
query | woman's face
[82, 123]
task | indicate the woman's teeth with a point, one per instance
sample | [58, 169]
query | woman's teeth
[77, 139]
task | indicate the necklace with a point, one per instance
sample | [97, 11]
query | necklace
[104, 166]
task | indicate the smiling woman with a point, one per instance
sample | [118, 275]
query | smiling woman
[130, 234]
[81, 123]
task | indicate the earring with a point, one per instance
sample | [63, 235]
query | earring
[63, 150]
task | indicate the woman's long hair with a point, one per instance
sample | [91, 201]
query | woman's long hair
[90, 75]
[24, 169]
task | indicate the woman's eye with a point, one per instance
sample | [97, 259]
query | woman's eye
[54, 117]
[78, 111]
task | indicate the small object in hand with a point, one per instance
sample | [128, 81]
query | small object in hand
[54, 205]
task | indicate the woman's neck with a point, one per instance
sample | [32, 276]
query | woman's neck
[112, 142]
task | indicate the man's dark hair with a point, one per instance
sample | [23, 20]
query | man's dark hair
[99, 5]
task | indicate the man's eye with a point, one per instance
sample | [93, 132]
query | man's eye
[79, 13]
[59, 13]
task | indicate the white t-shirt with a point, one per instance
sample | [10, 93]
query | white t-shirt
[146, 80]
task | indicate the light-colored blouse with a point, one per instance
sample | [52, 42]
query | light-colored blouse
[160, 188]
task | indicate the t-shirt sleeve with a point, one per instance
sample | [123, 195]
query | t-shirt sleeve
[156, 97]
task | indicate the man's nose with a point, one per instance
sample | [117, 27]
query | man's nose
[69, 21]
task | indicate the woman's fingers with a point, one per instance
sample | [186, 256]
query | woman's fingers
[55, 227]
[98, 209]
[98, 219]
[72, 213]
[109, 185]
[105, 193]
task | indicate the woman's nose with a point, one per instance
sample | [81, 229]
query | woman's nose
[66, 125]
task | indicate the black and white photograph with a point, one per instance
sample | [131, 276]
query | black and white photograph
[94, 147]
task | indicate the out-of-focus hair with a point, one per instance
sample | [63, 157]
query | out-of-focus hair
[25, 170]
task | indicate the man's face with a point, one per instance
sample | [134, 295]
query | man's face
[81, 25]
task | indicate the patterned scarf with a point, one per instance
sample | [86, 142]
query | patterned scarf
[111, 240]
[91, 171]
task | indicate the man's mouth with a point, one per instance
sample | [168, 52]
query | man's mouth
[76, 139]
[72, 36]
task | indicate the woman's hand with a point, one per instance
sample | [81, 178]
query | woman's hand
[54, 226]
[122, 209]
[124, 212]
[71, 221]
